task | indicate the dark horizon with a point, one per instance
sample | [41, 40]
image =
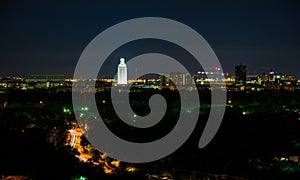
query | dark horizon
[48, 38]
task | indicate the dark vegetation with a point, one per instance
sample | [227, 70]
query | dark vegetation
[247, 145]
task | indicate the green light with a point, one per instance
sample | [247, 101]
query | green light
[80, 178]
[66, 110]
[85, 108]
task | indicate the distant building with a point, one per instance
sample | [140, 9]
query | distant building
[252, 79]
[175, 78]
[213, 74]
[122, 72]
[240, 74]
[12, 82]
[262, 78]
[164, 80]
[45, 80]
[180, 78]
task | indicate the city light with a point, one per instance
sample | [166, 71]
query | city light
[66, 110]
[79, 81]
[80, 178]
[85, 108]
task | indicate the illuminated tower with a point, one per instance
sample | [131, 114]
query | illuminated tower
[122, 72]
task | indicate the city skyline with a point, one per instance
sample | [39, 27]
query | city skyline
[49, 37]
[132, 76]
[150, 90]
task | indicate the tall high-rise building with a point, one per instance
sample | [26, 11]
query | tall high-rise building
[122, 72]
[240, 74]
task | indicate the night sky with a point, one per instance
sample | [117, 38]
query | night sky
[48, 37]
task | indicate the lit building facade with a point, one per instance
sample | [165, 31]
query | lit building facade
[176, 78]
[122, 72]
